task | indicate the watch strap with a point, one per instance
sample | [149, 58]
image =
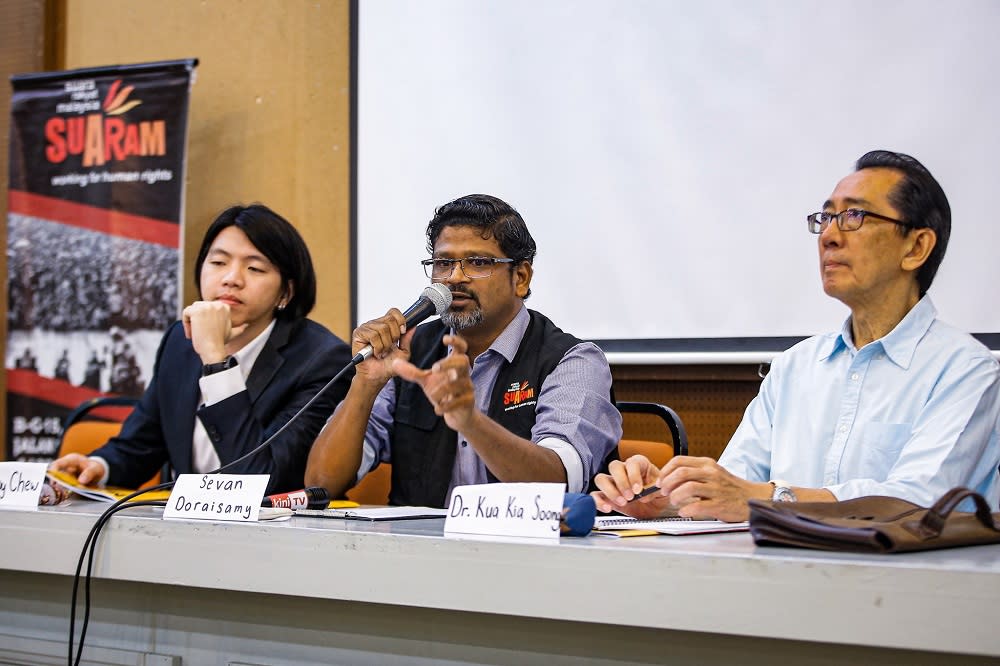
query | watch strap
[225, 364]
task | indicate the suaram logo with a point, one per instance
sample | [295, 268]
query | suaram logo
[101, 138]
[517, 393]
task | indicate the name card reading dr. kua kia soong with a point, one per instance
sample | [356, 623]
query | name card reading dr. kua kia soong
[21, 484]
[217, 497]
[506, 509]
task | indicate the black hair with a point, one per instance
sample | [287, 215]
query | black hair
[493, 217]
[276, 239]
[920, 200]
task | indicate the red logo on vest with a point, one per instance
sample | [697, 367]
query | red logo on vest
[517, 393]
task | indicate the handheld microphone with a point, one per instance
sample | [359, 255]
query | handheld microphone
[434, 300]
[307, 498]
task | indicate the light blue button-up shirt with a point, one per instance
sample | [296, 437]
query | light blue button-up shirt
[910, 415]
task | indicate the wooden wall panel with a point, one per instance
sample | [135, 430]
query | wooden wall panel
[710, 399]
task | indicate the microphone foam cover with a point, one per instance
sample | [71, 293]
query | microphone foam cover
[439, 295]
[579, 511]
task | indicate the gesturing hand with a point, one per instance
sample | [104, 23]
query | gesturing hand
[447, 384]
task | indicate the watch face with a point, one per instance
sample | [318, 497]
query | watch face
[783, 495]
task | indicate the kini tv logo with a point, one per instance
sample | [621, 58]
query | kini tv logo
[105, 137]
[518, 393]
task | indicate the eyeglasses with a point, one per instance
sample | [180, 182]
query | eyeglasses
[473, 267]
[847, 220]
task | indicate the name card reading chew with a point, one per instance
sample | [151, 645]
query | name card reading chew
[217, 497]
[506, 509]
[21, 483]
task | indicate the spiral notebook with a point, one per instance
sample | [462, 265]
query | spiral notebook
[675, 525]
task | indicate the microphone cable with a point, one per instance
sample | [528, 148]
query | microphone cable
[88, 549]
[90, 543]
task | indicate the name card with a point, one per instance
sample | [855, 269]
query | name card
[21, 484]
[506, 509]
[217, 497]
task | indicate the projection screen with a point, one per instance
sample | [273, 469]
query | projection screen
[664, 154]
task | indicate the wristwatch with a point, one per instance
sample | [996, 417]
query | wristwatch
[782, 492]
[212, 368]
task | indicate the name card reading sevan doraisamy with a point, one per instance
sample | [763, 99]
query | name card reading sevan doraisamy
[217, 497]
[21, 484]
[506, 509]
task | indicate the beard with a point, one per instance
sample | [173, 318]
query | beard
[460, 321]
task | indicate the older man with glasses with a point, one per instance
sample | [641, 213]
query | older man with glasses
[897, 403]
[491, 391]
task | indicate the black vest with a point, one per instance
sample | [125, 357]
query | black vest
[423, 446]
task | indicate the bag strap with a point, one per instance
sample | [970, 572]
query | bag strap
[934, 520]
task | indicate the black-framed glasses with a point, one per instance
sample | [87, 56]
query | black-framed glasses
[847, 220]
[473, 267]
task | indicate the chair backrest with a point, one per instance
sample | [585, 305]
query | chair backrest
[374, 488]
[82, 434]
[657, 452]
[85, 436]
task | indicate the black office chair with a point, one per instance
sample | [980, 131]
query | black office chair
[658, 452]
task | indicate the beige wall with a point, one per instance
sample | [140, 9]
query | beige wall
[269, 117]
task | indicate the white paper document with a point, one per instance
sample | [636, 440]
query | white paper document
[376, 513]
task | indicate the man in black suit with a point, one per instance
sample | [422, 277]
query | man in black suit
[234, 370]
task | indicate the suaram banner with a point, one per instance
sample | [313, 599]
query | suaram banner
[94, 213]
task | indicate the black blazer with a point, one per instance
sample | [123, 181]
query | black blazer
[298, 359]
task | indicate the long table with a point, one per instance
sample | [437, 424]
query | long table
[325, 591]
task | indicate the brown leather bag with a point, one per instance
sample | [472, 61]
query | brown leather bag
[874, 524]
